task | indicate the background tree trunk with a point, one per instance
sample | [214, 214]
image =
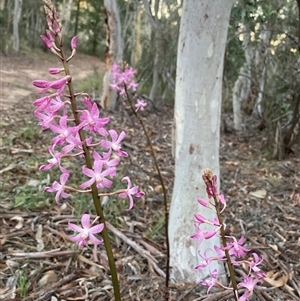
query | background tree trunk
[201, 49]
[17, 14]
[136, 36]
[114, 52]
[66, 15]
[242, 85]
[5, 26]
[261, 56]
[77, 18]
[158, 57]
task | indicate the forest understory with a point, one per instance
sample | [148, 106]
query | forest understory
[38, 262]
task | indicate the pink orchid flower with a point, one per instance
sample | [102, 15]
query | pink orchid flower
[59, 187]
[90, 119]
[54, 161]
[140, 104]
[97, 175]
[105, 159]
[86, 232]
[235, 248]
[249, 282]
[210, 282]
[65, 133]
[115, 144]
[130, 191]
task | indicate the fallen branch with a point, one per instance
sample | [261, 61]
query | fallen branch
[46, 254]
[144, 253]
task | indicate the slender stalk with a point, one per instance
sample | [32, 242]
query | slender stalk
[163, 188]
[298, 4]
[96, 198]
[224, 243]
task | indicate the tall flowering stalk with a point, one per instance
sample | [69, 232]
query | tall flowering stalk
[232, 251]
[76, 132]
[123, 82]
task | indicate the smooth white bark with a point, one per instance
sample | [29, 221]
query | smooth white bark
[201, 48]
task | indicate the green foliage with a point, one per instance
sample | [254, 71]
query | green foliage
[23, 283]
[27, 197]
[280, 21]
[92, 84]
[30, 133]
[157, 225]
[168, 25]
[82, 203]
[86, 20]
[91, 28]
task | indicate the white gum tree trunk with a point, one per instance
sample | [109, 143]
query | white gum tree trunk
[114, 52]
[201, 48]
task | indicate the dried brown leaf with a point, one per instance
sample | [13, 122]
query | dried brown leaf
[47, 278]
[259, 194]
[276, 278]
[20, 221]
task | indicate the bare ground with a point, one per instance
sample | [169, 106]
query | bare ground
[19, 70]
[37, 261]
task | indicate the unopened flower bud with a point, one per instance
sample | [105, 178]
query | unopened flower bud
[210, 234]
[46, 41]
[200, 218]
[56, 27]
[50, 35]
[74, 42]
[54, 71]
[49, 21]
[203, 202]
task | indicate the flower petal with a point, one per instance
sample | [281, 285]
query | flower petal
[97, 228]
[95, 240]
[85, 221]
[87, 183]
[74, 227]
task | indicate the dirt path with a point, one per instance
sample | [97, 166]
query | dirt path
[19, 70]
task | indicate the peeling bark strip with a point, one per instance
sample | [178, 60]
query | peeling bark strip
[113, 52]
